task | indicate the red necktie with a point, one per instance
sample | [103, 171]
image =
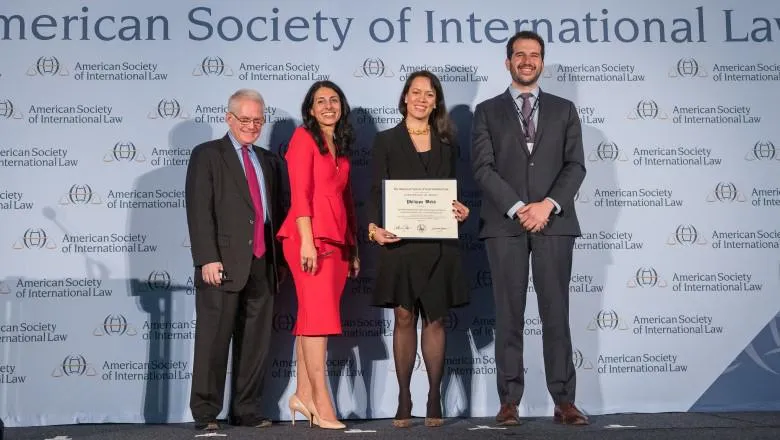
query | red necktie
[258, 243]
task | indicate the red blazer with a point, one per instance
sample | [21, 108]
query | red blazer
[319, 188]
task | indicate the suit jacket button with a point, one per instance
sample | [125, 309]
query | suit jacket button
[532, 164]
[250, 242]
[251, 222]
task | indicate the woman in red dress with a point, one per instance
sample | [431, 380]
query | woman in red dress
[319, 241]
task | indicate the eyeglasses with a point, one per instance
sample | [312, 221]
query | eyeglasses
[245, 122]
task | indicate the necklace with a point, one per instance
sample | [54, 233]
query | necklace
[416, 131]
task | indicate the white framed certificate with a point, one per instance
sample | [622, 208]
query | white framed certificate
[420, 208]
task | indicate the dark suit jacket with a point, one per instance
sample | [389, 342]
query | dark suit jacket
[507, 173]
[393, 156]
[220, 213]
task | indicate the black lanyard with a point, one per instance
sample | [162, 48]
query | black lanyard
[523, 121]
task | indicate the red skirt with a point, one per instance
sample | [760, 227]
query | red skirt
[319, 294]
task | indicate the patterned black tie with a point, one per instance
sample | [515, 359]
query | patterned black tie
[526, 109]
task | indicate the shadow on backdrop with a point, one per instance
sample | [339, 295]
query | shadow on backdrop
[352, 356]
[280, 371]
[156, 277]
[469, 329]
[587, 315]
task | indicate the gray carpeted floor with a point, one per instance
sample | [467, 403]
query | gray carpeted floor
[688, 426]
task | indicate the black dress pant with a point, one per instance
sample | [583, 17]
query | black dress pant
[245, 317]
[551, 262]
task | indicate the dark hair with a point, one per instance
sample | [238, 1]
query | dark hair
[439, 119]
[523, 35]
[343, 136]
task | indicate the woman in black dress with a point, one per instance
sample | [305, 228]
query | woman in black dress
[417, 277]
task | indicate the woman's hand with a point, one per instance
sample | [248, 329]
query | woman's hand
[309, 257]
[354, 266]
[381, 236]
[460, 210]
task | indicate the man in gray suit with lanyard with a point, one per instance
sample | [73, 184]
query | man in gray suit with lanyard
[529, 163]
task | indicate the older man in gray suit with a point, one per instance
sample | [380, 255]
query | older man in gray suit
[529, 163]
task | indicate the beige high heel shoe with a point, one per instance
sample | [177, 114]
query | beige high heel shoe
[324, 424]
[296, 405]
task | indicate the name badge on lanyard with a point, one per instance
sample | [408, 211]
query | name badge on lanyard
[524, 122]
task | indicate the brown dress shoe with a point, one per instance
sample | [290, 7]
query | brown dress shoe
[207, 426]
[507, 415]
[568, 414]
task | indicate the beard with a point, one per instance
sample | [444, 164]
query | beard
[525, 82]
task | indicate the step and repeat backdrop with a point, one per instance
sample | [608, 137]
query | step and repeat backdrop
[676, 285]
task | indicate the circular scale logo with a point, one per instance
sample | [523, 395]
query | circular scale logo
[34, 238]
[725, 192]
[762, 151]
[607, 152]
[373, 68]
[450, 322]
[80, 194]
[482, 279]
[580, 362]
[115, 325]
[212, 66]
[168, 109]
[647, 109]
[47, 66]
[8, 111]
[158, 280]
[72, 366]
[646, 277]
[6, 108]
[577, 358]
[686, 235]
[606, 320]
[124, 151]
[687, 68]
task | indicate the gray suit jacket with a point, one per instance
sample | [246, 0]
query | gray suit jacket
[506, 172]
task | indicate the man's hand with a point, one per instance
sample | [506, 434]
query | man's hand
[534, 216]
[212, 273]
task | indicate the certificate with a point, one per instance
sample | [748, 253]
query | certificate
[420, 208]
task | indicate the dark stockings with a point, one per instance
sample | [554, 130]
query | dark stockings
[405, 354]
